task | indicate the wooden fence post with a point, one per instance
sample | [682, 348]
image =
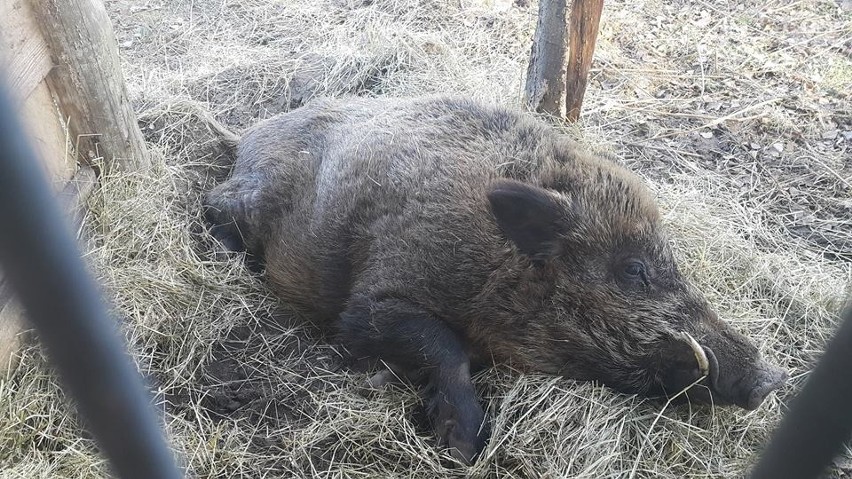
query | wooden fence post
[554, 85]
[585, 20]
[544, 90]
[60, 59]
[87, 82]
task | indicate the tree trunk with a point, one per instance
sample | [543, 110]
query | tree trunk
[545, 90]
[585, 19]
[87, 82]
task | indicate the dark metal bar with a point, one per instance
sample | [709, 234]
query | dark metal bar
[819, 421]
[43, 266]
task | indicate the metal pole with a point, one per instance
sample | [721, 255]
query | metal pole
[40, 259]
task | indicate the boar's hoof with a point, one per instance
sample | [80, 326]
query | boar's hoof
[463, 446]
[381, 379]
[228, 237]
[462, 431]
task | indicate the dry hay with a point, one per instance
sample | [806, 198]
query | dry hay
[738, 114]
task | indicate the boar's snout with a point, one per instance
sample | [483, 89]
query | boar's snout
[745, 384]
[736, 373]
[769, 379]
[750, 389]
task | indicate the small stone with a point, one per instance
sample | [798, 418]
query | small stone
[713, 106]
[779, 147]
[706, 134]
[502, 5]
[829, 134]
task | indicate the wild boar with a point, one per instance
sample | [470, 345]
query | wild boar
[435, 233]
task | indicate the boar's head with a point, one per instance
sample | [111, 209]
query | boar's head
[618, 310]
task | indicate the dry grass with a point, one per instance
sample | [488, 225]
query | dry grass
[695, 95]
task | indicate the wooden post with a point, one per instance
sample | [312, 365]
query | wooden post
[553, 85]
[545, 88]
[75, 195]
[585, 20]
[87, 82]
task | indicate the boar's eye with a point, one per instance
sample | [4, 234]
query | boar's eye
[635, 271]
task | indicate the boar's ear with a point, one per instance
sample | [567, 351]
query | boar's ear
[529, 216]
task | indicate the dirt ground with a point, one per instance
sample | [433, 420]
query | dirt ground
[738, 114]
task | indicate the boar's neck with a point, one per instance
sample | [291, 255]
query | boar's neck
[503, 320]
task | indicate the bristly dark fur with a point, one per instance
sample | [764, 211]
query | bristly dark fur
[431, 232]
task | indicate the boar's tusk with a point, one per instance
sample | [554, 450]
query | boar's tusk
[700, 355]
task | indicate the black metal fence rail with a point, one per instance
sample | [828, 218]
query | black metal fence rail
[819, 421]
[42, 264]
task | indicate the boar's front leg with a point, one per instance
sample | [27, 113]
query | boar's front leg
[399, 332]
